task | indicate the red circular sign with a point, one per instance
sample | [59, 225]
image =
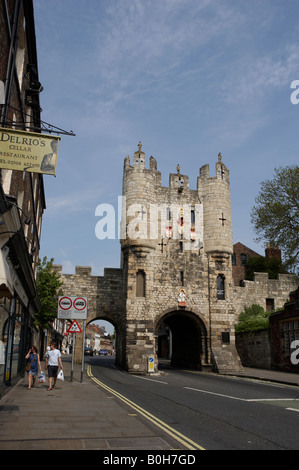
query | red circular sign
[80, 303]
[65, 303]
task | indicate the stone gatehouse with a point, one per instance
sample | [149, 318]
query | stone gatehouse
[175, 274]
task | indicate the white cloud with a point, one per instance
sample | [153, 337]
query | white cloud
[73, 202]
[254, 77]
[143, 45]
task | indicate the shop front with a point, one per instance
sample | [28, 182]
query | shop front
[16, 332]
[18, 304]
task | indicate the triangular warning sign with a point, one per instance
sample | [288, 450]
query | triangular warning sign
[74, 328]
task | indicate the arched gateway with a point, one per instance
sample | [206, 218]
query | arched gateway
[183, 338]
[173, 292]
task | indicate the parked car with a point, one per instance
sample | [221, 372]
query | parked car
[88, 351]
[103, 351]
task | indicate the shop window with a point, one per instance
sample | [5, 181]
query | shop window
[290, 334]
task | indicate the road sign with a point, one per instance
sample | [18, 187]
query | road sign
[151, 363]
[65, 303]
[80, 304]
[74, 328]
[72, 308]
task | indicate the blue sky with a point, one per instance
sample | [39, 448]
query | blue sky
[188, 78]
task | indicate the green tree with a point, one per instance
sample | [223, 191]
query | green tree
[252, 318]
[276, 213]
[48, 286]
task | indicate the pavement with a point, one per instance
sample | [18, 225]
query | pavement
[81, 415]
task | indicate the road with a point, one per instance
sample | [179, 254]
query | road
[215, 412]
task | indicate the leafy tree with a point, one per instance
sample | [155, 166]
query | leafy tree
[260, 264]
[276, 213]
[252, 318]
[48, 285]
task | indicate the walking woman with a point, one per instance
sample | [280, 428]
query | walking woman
[33, 365]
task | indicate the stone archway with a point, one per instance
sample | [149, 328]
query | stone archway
[106, 300]
[183, 336]
[119, 340]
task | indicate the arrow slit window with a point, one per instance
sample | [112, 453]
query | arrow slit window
[220, 287]
[140, 283]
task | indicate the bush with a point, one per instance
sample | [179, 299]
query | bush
[252, 318]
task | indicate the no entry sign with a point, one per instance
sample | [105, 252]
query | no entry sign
[72, 308]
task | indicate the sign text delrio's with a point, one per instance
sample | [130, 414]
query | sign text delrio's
[28, 151]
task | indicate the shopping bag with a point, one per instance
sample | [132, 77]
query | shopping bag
[60, 376]
[41, 377]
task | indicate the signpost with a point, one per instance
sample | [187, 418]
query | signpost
[74, 308]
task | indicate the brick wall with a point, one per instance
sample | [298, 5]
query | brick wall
[239, 270]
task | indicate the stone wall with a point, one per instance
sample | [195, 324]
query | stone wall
[254, 349]
[263, 288]
[105, 300]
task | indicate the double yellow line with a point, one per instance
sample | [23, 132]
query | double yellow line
[185, 441]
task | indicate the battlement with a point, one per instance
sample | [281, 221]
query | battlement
[139, 161]
[222, 172]
[177, 180]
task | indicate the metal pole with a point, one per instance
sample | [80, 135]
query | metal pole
[83, 349]
[73, 354]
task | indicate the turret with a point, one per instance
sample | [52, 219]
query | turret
[139, 192]
[214, 192]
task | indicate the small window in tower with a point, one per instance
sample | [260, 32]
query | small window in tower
[220, 287]
[181, 247]
[168, 213]
[192, 216]
[140, 284]
[225, 337]
[182, 277]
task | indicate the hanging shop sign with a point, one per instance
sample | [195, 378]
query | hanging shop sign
[28, 151]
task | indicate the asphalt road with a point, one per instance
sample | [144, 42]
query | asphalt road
[216, 412]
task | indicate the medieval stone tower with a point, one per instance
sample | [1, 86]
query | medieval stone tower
[173, 296]
[176, 266]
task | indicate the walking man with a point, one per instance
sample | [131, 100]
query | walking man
[52, 362]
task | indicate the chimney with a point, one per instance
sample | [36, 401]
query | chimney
[273, 252]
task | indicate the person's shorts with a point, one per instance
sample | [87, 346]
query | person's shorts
[33, 371]
[52, 371]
